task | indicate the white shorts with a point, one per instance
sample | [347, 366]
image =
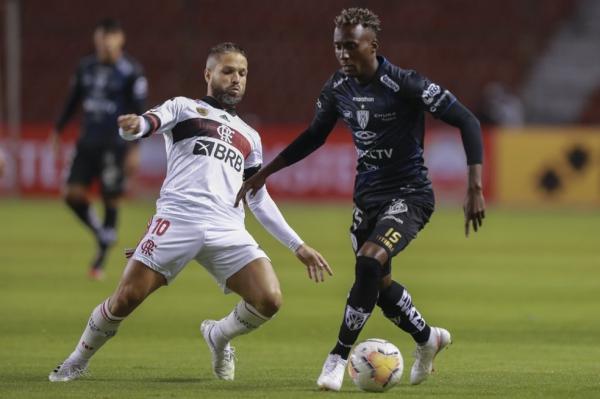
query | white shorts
[170, 243]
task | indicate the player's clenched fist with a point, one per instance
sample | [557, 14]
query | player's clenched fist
[130, 123]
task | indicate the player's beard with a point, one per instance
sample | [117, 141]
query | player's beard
[225, 98]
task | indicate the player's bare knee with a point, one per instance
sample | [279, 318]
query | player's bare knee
[372, 250]
[269, 303]
[385, 282]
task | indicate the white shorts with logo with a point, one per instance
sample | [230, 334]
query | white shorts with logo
[170, 243]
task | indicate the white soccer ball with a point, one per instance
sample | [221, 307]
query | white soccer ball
[375, 365]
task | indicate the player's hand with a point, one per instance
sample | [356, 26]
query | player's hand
[314, 261]
[130, 123]
[253, 184]
[474, 209]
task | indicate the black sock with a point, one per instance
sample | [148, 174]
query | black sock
[360, 303]
[110, 216]
[85, 213]
[396, 303]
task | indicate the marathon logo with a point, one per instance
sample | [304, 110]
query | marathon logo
[363, 99]
[219, 151]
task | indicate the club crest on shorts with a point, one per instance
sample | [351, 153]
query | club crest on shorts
[397, 207]
[362, 116]
[355, 319]
[148, 247]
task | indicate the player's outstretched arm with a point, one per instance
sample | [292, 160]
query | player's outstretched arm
[474, 205]
[470, 130]
[307, 142]
[257, 181]
[268, 215]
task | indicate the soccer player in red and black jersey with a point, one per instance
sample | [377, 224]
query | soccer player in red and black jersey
[106, 84]
[384, 106]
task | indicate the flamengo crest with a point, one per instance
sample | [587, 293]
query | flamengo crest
[226, 133]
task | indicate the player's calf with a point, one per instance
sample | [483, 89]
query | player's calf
[396, 303]
[360, 303]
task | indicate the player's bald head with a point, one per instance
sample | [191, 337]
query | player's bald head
[215, 53]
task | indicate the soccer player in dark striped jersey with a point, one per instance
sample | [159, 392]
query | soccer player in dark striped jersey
[107, 84]
[384, 106]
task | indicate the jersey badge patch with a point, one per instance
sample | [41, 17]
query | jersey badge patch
[397, 207]
[362, 116]
[386, 80]
[225, 133]
[202, 111]
[430, 93]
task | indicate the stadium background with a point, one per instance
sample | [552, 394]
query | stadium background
[520, 296]
[464, 45]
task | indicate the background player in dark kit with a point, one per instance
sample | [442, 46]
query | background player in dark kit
[384, 107]
[107, 84]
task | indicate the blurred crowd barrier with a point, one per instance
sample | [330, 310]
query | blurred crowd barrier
[529, 166]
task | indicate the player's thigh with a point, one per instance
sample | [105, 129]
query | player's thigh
[169, 244]
[112, 171]
[256, 282]
[399, 223]
[226, 251]
[362, 224]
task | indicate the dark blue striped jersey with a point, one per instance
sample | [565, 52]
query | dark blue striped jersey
[105, 91]
[386, 117]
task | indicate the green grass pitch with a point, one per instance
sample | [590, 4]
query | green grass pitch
[521, 298]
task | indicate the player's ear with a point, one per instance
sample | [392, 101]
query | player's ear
[375, 44]
[207, 73]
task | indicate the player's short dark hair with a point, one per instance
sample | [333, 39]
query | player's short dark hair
[226, 47]
[358, 16]
[109, 25]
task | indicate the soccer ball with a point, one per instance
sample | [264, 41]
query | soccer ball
[375, 365]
